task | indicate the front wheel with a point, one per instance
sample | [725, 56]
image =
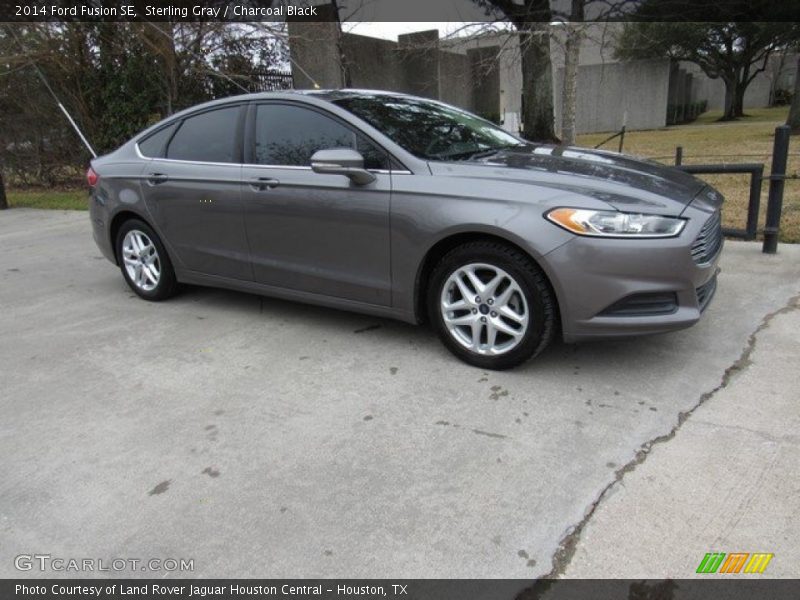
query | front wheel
[491, 305]
[144, 261]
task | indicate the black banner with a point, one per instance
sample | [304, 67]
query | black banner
[733, 588]
[392, 10]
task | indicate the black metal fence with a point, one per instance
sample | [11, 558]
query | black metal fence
[776, 178]
[619, 134]
[756, 171]
[270, 81]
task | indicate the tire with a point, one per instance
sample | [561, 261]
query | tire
[519, 306]
[144, 261]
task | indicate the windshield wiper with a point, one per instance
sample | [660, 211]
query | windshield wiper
[490, 152]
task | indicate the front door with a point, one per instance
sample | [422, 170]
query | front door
[311, 232]
[194, 194]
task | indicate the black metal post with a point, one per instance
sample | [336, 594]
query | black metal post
[621, 138]
[754, 204]
[3, 199]
[780, 153]
[756, 171]
[678, 156]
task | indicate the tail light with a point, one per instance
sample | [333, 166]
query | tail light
[92, 177]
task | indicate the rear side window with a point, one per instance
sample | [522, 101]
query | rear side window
[207, 137]
[290, 135]
[153, 145]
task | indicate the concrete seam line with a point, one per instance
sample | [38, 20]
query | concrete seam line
[568, 545]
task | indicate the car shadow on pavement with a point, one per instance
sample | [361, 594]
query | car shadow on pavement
[645, 352]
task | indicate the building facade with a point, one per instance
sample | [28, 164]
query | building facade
[482, 73]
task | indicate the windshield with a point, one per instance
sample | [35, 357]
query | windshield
[428, 129]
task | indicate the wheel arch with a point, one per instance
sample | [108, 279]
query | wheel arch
[116, 223]
[436, 252]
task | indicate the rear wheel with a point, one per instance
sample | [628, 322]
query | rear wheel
[491, 305]
[144, 261]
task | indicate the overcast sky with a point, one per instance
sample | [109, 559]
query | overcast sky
[390, 31]
[395, 12]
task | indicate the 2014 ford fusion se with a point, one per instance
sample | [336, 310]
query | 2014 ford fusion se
[405, 207]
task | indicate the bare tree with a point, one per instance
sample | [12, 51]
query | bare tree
[531, 19]
[343, 62]
[572, 50]
[114, 79]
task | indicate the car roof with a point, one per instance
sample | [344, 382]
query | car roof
[325, 94]
[351, 93]
[315, 96]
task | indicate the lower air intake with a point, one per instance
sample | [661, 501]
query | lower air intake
[643, 305]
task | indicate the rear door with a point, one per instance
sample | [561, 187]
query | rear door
[193, 190]
[311, 232]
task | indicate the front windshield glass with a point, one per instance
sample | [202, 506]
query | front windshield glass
[428, 129]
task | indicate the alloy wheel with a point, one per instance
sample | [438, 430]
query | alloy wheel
[142, 263]
[484, 309]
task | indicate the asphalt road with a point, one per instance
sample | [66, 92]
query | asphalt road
[263, 438]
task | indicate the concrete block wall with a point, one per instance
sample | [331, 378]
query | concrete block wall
[607, 92]
[506, 57]
[311, 45]
[422, 64]
[373, 63]
[456, 80]
[414, 64]
[486, 82]
[420, 61]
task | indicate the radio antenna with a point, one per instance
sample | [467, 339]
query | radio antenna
[55, 97]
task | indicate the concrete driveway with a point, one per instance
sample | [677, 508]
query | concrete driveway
[267, 439]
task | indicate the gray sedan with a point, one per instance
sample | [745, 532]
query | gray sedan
[404, 207]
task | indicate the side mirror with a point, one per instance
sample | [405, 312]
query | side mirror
[342, 161]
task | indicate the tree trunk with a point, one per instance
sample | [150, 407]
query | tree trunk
[537, 83]
[738, 100]
[344, 64]
[3, 199]
[730, 99]
[162, 40]
[776, 76]
[793, 120]
[569, 96]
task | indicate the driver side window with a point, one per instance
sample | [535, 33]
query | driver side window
[289, 135]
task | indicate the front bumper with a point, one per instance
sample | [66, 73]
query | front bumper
[611, 288]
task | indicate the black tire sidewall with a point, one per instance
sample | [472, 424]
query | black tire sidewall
[167, 283]
[530, 279]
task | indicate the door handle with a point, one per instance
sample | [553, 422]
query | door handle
[156, 178]
[261, 184]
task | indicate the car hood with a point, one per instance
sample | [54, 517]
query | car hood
[625, 183]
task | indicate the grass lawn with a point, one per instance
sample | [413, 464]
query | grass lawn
[708, 141]
[53, 199]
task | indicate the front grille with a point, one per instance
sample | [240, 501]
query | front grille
[706, 292]
[709, 240]
[643, 305]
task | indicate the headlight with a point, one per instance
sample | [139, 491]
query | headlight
[610, 223]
